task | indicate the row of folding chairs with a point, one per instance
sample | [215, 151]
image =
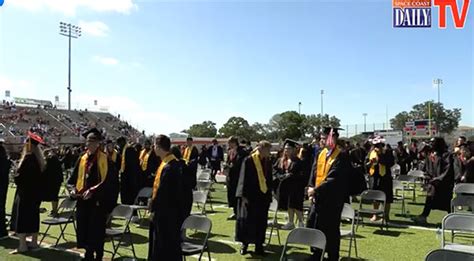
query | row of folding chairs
[464, 198]
[448, 255]
[458, 224]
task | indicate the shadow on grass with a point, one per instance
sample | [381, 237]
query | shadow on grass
[416, 203]
[390, 233]
[136, 239]
[353, 259]
[220, 248]
[41, 253]
[67, 245]
[412, 223]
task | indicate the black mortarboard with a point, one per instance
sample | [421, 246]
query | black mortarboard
[93, 133]
[291, 143]
[327, 129]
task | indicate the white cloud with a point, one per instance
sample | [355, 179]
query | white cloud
[95, 28]
[105, 60]
[69, 7]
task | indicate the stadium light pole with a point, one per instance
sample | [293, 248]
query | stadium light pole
[365, 121]
[322, 106]
[299, 108]
[70, 31]
[438, 83]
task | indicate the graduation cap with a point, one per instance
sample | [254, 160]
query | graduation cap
[291, 143]
[327, 129]
[35, 138]
[93, 134]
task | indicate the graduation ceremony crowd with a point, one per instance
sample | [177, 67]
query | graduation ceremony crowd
[327, 173]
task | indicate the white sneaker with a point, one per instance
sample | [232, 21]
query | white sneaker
[288, 226]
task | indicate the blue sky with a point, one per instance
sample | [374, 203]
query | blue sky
[183, 62]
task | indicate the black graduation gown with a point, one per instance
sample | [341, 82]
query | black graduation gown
[129, 178]
[5, 165]
[25, 213]
[91, 214]
[325, 213]
[469, 171]
[402, 160]
[252, 218]
[53, 178]
[203, 157]
[290, 192]
[149, 174]
[458, 168]
[189, 183]
[234, 166]
[384, 183]
[167, 206]
[440, 169]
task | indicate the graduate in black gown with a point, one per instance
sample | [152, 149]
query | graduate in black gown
[93, 183]
[288, 169]
[166, 206]
[439, 168]
[149, 163]
[254, 195]
[235, 156]
[121, 142]
[191, 157]
[188, 180]
[5, 165]
[130, 173]
[380, 160]
[25, 213]
[111, 152]
[327, 189]
[53, 178]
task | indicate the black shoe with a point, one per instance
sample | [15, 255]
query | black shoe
[259, 251]
[243, 250]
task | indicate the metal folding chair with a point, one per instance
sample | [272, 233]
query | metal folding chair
[409, 184]
[196, 223]
[459, 223]
[273, 225]
[398, 186]
[144, 193]
[305, 236]
[206, 186]
[369, 197]
[349, 213]
[200, 198]
[123, 212]
[65, 216]
[396, 170]
[448, 255]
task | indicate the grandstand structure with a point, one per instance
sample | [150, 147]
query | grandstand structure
[57, 126]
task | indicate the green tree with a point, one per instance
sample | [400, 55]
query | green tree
[312, 124]
[262, 132]
[447, 120]
[204, 129]
[236, 126]
[288, 124]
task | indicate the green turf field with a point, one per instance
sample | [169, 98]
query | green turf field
[398, 243]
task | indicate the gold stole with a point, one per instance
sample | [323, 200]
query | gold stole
[187, 154]
[114, 155]
[102, 167]
[164, 162]
[144, 155]
[382, 170]
[324, 164]
[262, 181]
[122, 167]
[300, 154]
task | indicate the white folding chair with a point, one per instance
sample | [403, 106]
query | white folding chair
[459, 223]
[448, 255]
[196, 223]
[273, 225]
[370, 197]
[396, 170]
[305, 236]
[349, 213]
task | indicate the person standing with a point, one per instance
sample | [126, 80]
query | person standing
[216, 156]
[5, 166]
[94, 185]
[203, 157]
[254, 195]
[26, 214]
[288, 169]
[439, 168]
[53, 178]
[129, 175]
[328, 188]
[191, 157]
[149, 162]
[402, 158]
[233, 165]
[166, 206]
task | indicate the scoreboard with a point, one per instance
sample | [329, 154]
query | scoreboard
[420, 129]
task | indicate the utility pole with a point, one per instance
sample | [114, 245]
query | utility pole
[70, 31]
[322, 104]
[365, 121]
